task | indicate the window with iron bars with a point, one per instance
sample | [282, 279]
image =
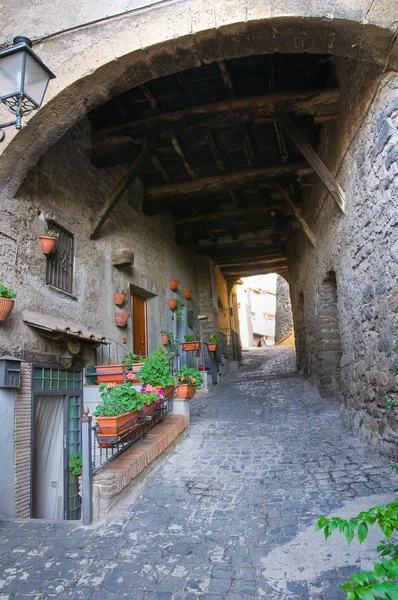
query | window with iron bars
[60, 261]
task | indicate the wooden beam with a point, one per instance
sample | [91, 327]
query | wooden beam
[229, 86]
[226, 181]
[159, 168]
[180, 151]
[263, 109]
[319, 167]
[132, 173]
[304, 225]
[249, 262]
[254, 271]
[278, 129]
[252, 242]
[232, 212]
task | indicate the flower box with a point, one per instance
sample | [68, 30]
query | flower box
[212, 346]
[190, 346]
[115, 373]
[185, 391]
[111, 428]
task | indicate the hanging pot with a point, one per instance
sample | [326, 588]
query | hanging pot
[172, 304]
[165, 339]
[187, 294]
[212, 346]
[119, 298]
[173, 284]
[6, 306]
[47, 243]
[121, 319]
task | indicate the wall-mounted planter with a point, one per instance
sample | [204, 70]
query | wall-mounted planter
[47, 243]
[115, 374]
[121, 319]
[165, 339]
[212, 346]
[173, 284]
[6, 306]
[185, 391]
[110, 428]
[187, 294]
[119, 298]
[190, 346]
[172, 304]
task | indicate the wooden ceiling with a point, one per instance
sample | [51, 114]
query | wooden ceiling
[217, 155]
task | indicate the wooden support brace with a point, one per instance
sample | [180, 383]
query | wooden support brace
[132, 173]
[319, 167]
[306, 228]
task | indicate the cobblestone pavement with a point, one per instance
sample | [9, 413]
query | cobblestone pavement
[228, 514]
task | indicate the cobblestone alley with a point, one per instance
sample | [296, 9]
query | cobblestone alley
[229, 513]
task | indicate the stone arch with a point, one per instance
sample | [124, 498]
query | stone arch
[301, 335]
[99, 61]
[329, 348]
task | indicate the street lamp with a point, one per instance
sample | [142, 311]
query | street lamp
[23, 81]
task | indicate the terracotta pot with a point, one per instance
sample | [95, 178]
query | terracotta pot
[168, 389]
[185, 390]
[148, 410]
[165, 339]
[187, 294]
[6, 306]
[119, 298]
[121, 319]
[212, 346]
[173, 284]
[111, 378]
[172, 304]
[47, 243]
[112, 427]
[190, 346]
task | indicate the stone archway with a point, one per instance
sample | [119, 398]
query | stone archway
[99, 61]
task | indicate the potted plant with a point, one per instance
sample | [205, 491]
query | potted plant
[118, 411]
[172, 303]
[187, 294]
[7, 296]
[152, 398]
[189, 380]
[121, 319]
[213, 341]
[165, 337]
[156, 372]
[173, 284]
[47, 242]
[119, 298]
[191, 343]
[114, 373]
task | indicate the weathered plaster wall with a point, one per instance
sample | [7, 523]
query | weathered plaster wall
[224, 321]
[66, 185]
[283, 314]
[360, 247]
[7, 482]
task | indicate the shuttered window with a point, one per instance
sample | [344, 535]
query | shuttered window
[60, 261]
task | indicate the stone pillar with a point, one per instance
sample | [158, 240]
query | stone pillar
[283, 313]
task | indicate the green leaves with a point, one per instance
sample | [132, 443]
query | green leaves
[156, 370]
[189, 376]
[117, 399]
[6, 292]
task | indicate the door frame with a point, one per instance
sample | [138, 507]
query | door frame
[63, 394]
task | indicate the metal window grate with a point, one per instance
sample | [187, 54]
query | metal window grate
[60, 261]
[48, 378]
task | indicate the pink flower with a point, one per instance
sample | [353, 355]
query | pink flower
[160, 394]
[111, 385]
[130, 376]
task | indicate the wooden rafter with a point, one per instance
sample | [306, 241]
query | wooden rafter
[181, 153]
[313, 159]
[262, 109]
[278, 129]
[132, 173]
[232, 212]
[303, 223]
[226, 181]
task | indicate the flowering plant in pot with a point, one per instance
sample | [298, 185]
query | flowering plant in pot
[114, 373]
[189, 381]
[48, 241]
[213, 341]
[191, 344]
[152, 397]
[156, 371]
[117, 412]
[7, 296]
[133, 362]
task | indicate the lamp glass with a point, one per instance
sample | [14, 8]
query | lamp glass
[66, 360]
[10, 74]
[36, 81]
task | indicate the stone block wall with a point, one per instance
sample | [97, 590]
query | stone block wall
[361, 248]
[283, 313]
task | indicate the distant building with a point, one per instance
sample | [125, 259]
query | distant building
[256, 308]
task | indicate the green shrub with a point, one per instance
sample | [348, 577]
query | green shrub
[6, 292]
[156, 370]
[190, 377]
[117, 399]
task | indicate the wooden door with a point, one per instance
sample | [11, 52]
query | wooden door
[138, 311]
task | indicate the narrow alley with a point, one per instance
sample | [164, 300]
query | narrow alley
[228, 513]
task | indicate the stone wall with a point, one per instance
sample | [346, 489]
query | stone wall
[360, 247]
[283, 314]
[65, 186]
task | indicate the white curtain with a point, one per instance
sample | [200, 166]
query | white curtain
[48, 461]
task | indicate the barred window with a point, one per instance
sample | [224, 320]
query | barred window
[60, 261]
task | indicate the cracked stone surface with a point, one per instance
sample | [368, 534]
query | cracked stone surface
[228, 514]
